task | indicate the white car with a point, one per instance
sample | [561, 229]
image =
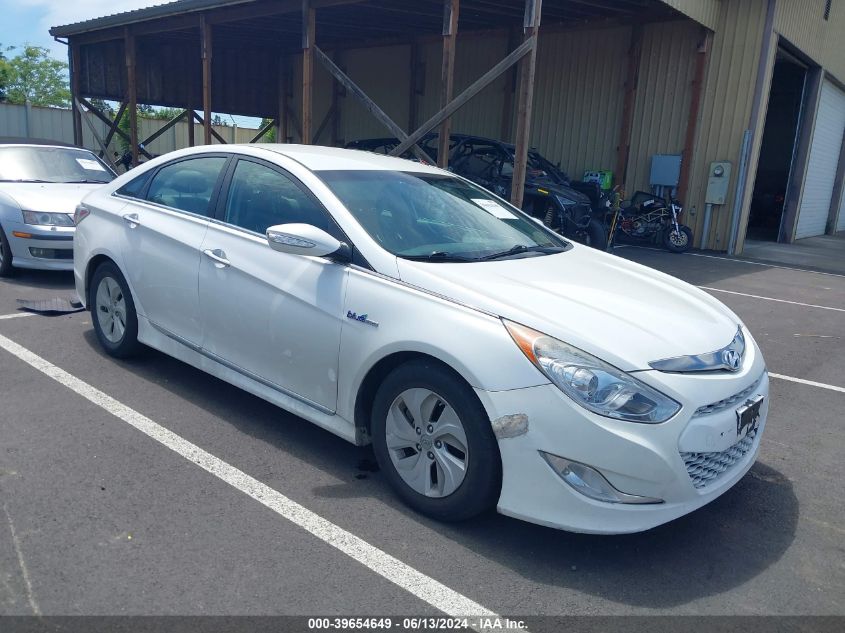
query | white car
[41, 182]
[489, 362]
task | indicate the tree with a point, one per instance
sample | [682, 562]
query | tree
[5, 72]
[36, 77]
[269, 135]
[165, 114]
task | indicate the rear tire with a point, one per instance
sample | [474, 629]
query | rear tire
[678, 242]
[6, 269]
[596, 235]
[113, 312]
[434, 442]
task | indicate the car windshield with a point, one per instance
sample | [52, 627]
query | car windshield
[51, 164]
[436, 217]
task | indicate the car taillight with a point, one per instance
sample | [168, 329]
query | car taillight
[80, 214]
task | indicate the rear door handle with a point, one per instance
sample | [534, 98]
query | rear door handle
[132, 220]
[217, 256]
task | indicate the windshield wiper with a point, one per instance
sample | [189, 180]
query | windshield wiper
[518, 249]
[437, 256]
[86, 181]
[26, 180]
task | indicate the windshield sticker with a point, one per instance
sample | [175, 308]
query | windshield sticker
[494, 208]
[90, 164]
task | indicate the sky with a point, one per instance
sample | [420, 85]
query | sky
[29, 22]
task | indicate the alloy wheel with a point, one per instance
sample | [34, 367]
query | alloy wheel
[111, 309]
[426, 442]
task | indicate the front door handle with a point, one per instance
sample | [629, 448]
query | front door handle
[217, 256]
[132, 220]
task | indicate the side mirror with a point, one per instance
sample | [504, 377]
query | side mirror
[306, 239]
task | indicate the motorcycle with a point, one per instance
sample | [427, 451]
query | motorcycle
[648, 218]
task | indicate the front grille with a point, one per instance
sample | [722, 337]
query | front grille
[705, 468]
[721, 405]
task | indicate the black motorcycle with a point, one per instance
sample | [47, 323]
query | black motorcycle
[650, 218]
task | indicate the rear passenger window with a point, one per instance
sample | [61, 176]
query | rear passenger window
[187, 185]
[260, 197]
[133, 188]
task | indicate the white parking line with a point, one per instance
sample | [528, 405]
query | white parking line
[811, 383]
[15, 315]
[745, 261]
[795, 303]
[416, 583]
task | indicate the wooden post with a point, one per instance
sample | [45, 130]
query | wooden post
[337, 93]
[694, 109]
[308, 25]
[533, 10]
[451, 9]
[75, 68]
[205, 34]
[132, 93]
[632, 75]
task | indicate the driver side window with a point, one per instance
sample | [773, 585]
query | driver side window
[260, 197]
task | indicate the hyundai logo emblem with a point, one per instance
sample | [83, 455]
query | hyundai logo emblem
[731, 359]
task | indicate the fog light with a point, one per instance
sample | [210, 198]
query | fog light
[590, 482]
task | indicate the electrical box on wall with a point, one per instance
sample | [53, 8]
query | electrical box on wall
[718, 181]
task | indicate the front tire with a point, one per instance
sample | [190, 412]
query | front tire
[113, 312]
[434, 442]
[6, 269]
[678, 241]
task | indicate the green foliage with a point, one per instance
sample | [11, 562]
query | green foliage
[36, 77]
[269, 135]
[5, 72]
[165, 114]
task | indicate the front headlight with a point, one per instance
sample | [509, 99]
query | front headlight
[592, 383]
[42, 218]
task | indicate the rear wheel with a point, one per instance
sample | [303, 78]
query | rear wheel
[113, 312]
[595, 235]
[433, 440]
[6, 269]
[678, 241]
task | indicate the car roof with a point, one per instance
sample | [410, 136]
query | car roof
[319, 158]
[15, 140]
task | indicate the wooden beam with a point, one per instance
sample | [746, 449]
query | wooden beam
[75, 68]
[533, 9]
[338, 93]
[694, 110]
[113, 126]
[206, 45]
[370, 105]
[282, 102]
[95, 134]
[214, 133]
[451, 9]
[132, 94]
[110, 122]
[308, 44]
[262, 132]
[324, 123]
[632, 79]
[461, 100]
[166, 127]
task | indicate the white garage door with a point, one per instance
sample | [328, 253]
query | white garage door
[824, 159]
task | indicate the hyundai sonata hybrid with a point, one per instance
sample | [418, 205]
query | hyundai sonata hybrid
[41, 182]
[489, 361]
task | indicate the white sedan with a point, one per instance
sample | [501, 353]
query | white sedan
[489, 362]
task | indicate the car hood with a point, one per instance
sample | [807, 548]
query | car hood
[622, 312]
[55, 197]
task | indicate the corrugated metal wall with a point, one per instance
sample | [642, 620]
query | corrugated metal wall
[704, 12]
[802, 23]
[578, 97]
[57, 124]
[664, 94]
[726, 109]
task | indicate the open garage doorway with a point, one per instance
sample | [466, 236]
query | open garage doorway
[777, 151]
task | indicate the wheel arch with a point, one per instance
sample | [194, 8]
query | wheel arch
[368, 387]
[93, 264]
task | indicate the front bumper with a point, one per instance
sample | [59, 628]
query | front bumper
[44, 249]
[637, 459]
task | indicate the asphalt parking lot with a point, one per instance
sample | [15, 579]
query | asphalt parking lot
[99, 517]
